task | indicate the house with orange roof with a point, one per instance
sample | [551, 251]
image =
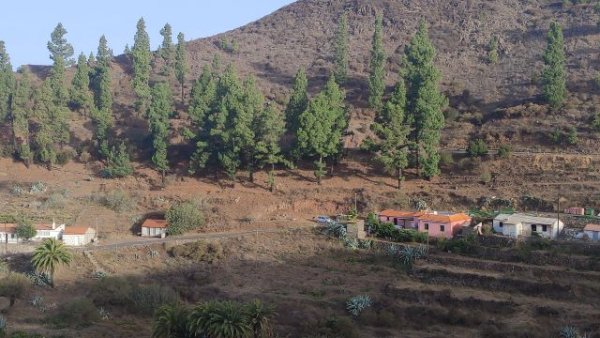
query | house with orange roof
[592, 231]
[401, 219]
[45, 231]
[443, 225]
[154, 227]
[78, 235]
[8, 233]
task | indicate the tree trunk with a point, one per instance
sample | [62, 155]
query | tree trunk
[272, 178]
[182, 94]
[399, 177]
[319, 168]
[418, 159]
[12, 301]
[251, 173]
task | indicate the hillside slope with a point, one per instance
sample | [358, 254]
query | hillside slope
[301, 34]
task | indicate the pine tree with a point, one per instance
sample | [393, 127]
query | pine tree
[102, 116]
[141, 66]
[269, 127]
[21, 112]
[118, 163]
[181, 66]
[52, 119]
[7, 82]
[58, 46]
[554, 76]
[81, 97]
[58, 84]
[167, 50]
[161, 107]
[425, 102]
[341, 50]
[322, 126]
[297, 105]
[243, 123]
[392, 131]
[377, 67]
[202, 101]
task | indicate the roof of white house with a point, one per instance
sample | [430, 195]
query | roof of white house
[523, 218]
[592, 227]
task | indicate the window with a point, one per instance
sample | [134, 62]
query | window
[544, 228]
[501, 224]
[533, 228]
[442, 228]
[426, 226]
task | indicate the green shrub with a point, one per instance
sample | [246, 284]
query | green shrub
[145, 299]
[385, 230]
[118, 163]
[14, 286]
[358, 304]
[115, 291]
[504, 151]
[572, 138]
[464, 245]
[486, 177]
[25, 229]
[200, 251]
[118, 201]
[79, 312]
[446, 159]
[64, 157]
[184, 216]
[595, 122]
[409, 236]
[477, 148]
[556, 136]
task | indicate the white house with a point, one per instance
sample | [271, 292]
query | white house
[522, 225]
[592, 231]
[8, 233]
[154, 227]
[44, 231]
[78, 235]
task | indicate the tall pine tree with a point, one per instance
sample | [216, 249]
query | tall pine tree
[425, 102]
[141, 66]
[341, 50]
[391, 129]
[377, 67]
[268, 126]
[59, 47]
[7, 82]
[81, 97]
[102, 115]
[297, 105]
[181, 66]
[21, 112]
[554, 76]
[322, 126]
[158, 119]
[167, 50]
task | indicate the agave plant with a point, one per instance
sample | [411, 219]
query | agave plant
[569, 332]
[365, 244]
[358, 304]
[336, 230]
[351, 243]
[409, 254]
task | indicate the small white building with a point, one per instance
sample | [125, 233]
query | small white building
[592, 231]
[522, 225]
[78, 235]
[45, 231]
[8, 233]
[153, 227]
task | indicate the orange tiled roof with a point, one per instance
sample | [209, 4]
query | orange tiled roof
[395, 213]
[592, 227]
[445, 218]
[8, 227]
[155, 223]
[76, 230]
[43, 227]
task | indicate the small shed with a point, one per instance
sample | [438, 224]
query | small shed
[592, 231]
[78, 235]
[153, 227]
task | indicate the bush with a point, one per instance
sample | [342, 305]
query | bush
[409, 235]
[118, 163]
[79, 312]
[114, 291]
[572, 138]
[486, 177]
[118, 201]
[200, 251]
[504, 151]
[145, 299]
[25, 229]
[556, 136]
[64, 157]
[183, 217]
[477, 148]
[465, 245]
[85, 157]
[446, 159]
[14, 286]
[595, 122]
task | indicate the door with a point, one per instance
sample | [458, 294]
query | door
[595, 235]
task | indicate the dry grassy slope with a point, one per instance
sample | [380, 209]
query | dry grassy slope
[301, 34]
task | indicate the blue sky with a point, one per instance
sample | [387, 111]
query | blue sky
[26, 24]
